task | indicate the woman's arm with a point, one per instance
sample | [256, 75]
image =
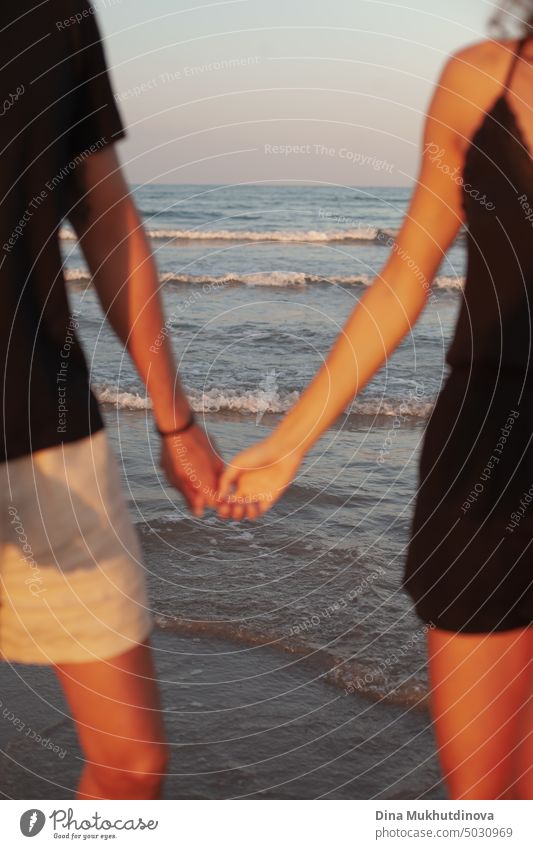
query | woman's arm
[384, 315]
[125, 277]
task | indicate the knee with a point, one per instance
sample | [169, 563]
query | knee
[134, 772]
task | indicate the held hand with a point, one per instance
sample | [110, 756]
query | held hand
[255, 479]
[191, 464]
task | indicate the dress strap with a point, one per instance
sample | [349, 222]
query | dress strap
[518, 51]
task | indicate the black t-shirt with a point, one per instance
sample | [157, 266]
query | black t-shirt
[56, 109]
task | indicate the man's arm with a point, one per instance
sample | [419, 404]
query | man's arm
[125, 277]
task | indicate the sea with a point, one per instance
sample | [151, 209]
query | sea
[257, 281]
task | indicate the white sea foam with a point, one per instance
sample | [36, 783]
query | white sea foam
[357, 234]
[444, 282]
[210, 401]
[122, 400]
[76, 274]
[257, 278]
[259, 401]
[268, 278]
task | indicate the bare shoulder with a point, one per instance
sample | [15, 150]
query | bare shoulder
[481, 66]
[469, 83]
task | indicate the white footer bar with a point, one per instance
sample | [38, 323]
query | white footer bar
[268, 824]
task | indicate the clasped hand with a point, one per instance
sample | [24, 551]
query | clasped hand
[244, 489]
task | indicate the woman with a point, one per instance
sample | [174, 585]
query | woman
[468, 567]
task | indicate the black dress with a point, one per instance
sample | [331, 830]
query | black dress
[469, 564]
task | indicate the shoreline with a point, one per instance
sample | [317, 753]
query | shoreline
[240, 725]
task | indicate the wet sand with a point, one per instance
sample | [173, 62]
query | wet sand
[243, 722]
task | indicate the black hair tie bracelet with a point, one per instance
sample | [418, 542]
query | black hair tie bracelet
[188, 424]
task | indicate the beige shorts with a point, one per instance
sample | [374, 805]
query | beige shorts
[72, 581]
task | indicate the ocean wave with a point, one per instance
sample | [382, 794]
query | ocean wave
[444, 282]
[264, 278]
[210, 401]
[347, 675]
[267, 278]
[261, 401]
[76, 274]
[418, 409]
[121, 400]
[357, 234]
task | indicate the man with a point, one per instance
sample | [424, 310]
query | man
[72, 588]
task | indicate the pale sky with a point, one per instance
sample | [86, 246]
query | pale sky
[262, 90]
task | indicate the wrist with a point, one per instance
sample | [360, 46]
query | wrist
[284, 440]
[171, 415]
[178, 422]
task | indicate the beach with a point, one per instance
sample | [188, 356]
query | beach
[291, 662]
[242, 723]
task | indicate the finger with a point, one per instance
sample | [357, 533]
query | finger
[197, 506]
[228, 479]
[183, 492]
[232, 506]
[192, 495]
[210, 499]
[244, 501]
[252, 512]
[224, 510]
[237, 512]
[210, 492]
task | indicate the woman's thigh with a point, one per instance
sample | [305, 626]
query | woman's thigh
[480, 685]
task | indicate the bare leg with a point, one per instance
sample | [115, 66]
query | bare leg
[524, 754]
[116, 708]
[480, 685]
